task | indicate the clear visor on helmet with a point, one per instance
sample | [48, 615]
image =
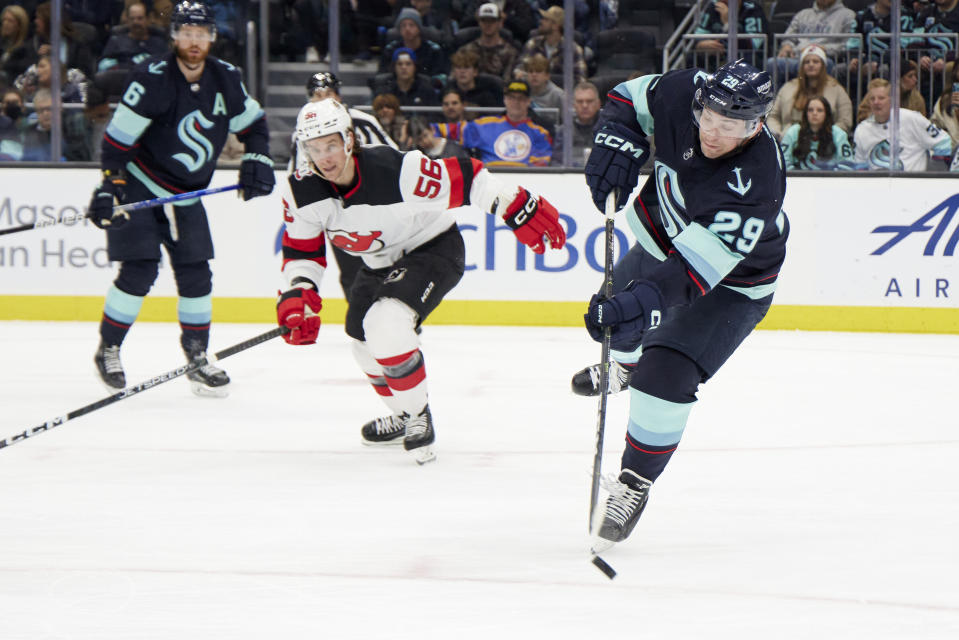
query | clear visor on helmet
[194, 33]
[712, 124]
[324, 147]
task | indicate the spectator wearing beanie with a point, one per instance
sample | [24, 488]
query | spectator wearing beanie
[430, 59]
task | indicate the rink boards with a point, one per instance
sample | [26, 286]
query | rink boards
[867, 253]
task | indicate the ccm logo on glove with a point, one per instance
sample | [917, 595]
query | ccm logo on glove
[620, 144]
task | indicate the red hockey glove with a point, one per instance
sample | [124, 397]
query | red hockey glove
[297, 309]
[533, 220]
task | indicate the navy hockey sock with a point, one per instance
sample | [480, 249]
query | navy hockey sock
[120, 310]
[194, 337]
[645, 459]
[195, 315]
[112, 331]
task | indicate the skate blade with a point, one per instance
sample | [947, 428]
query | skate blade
[203, 391]
[422, 455]
[382, 443]
[599, 545]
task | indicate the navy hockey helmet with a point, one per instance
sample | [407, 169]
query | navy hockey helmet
[190, 12]
[322, 80]
[737, 90]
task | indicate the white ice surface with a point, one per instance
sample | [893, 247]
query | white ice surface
[814, 495]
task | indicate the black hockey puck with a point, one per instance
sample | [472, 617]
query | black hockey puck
[604, 567]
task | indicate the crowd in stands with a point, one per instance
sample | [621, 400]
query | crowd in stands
[101, 40]
[487, 78]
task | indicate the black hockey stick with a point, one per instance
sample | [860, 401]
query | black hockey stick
[130, 206]
[604, 360]
[143, 386]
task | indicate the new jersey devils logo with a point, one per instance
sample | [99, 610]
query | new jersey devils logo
[356, 242]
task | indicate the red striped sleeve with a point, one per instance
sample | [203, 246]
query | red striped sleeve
[306, 245]
[457, 197]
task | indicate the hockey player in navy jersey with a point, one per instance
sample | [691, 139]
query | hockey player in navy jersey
[164, 138]
[711, 237]
[392, 209]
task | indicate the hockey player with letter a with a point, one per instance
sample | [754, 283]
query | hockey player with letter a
[164, 139]
[391, 209]
[711, 237]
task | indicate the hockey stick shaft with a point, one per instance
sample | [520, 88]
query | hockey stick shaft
[132, 206]
[143, 386]
[604, 358]
[39, 224]
[155, 202]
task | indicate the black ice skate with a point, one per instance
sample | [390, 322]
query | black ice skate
[625, 503]
[384, 431]
[207, 381]
[419, 436]
[586, 382]
[107, 359]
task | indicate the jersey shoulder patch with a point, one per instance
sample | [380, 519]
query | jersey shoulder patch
[308, 188]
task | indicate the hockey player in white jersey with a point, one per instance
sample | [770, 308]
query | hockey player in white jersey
[368, 132]
[918, 137]
[393, 210]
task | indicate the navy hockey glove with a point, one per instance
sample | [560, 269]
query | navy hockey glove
[109, 193]
[614, 163]
[629, 314]
[256, 175]
[297, 309]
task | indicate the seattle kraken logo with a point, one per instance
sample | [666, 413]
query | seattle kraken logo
[189, 132]
[879, 156]
[672, 204]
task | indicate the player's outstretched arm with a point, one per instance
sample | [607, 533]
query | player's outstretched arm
[460, 182]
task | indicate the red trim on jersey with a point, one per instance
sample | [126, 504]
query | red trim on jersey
[477, 165]
[616, 97]
[313, 246]
[692, 276]
[456, 182]
[751, 281]
[307, 245]
[115, 143]
[320, 261]
[652, 227]
[359, 180]
[156, 179]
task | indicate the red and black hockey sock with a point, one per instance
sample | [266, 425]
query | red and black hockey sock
[405, 375]
[379, 385]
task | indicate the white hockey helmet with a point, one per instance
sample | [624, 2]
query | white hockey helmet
[321, 118]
